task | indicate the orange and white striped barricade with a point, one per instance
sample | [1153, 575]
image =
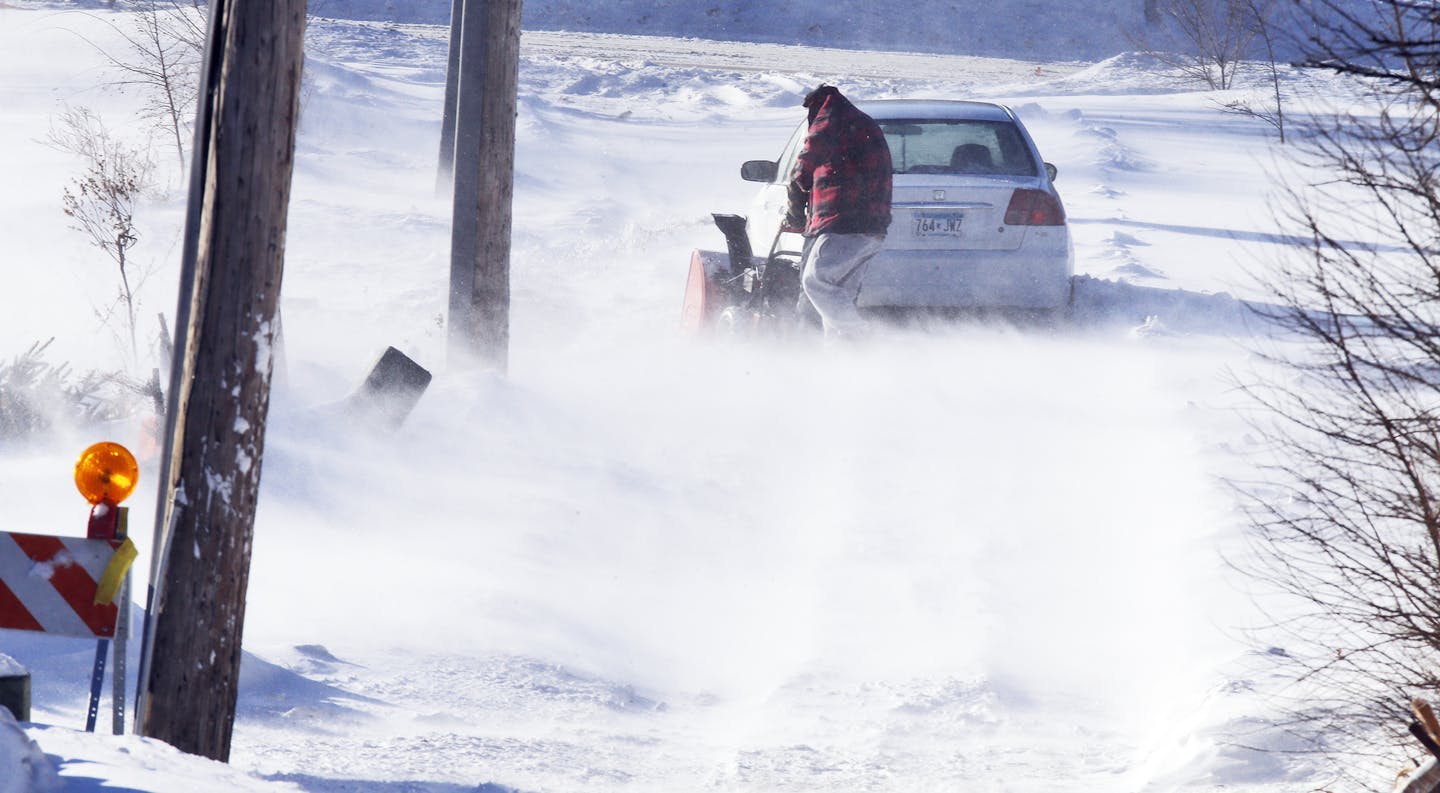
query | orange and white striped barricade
[69, 586]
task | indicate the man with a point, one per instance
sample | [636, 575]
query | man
[842, 177]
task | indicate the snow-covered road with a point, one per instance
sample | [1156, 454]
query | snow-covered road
[972, 558]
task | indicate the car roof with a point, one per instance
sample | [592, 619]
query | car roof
[924, 109]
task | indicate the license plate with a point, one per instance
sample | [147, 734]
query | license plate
[938, 224]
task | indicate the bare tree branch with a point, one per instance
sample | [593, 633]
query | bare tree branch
[101, 201]
[1204, 39]
[1345, 509]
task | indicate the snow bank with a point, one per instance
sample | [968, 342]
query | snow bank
[1046, 30]
[23, 767]
[9, 667]
[1036, 29]
[95, 763]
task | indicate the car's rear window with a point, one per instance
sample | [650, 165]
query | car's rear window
[953, 146]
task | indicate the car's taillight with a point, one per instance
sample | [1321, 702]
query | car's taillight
[1034, 208]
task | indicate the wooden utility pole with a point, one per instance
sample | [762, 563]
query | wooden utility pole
[221, 383]
[445, 174]
[489, 66]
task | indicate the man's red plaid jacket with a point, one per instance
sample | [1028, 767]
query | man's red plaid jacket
[843, 171]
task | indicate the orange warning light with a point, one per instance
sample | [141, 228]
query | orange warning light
[106, 472]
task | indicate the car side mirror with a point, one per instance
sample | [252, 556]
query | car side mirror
[759, 170]
[1051, 171]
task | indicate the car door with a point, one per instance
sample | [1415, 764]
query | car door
[767, 209]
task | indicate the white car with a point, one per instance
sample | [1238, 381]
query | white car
[976, 224]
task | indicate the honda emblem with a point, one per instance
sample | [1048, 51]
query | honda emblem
[939, 195]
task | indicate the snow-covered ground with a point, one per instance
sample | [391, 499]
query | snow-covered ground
[1040, 29]
[965, 558]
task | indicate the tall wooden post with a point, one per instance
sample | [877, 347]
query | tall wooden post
[445, 173]
[221, 389]
[479, 332]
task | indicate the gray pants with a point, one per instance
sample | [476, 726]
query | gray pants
[832, 267]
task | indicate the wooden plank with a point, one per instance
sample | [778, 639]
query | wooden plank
[391, 390]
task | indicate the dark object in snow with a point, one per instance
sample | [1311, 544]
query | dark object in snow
[317, 652]
[1425, 728]
[14, 688]
[1425, 778]
[392, 390]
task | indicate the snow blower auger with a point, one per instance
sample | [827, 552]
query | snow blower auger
[737, 292]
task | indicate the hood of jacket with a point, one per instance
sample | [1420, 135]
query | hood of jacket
[827, 99]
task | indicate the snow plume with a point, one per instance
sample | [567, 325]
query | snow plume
[727, 518]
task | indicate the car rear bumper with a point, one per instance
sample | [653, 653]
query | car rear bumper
[1026, 279]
